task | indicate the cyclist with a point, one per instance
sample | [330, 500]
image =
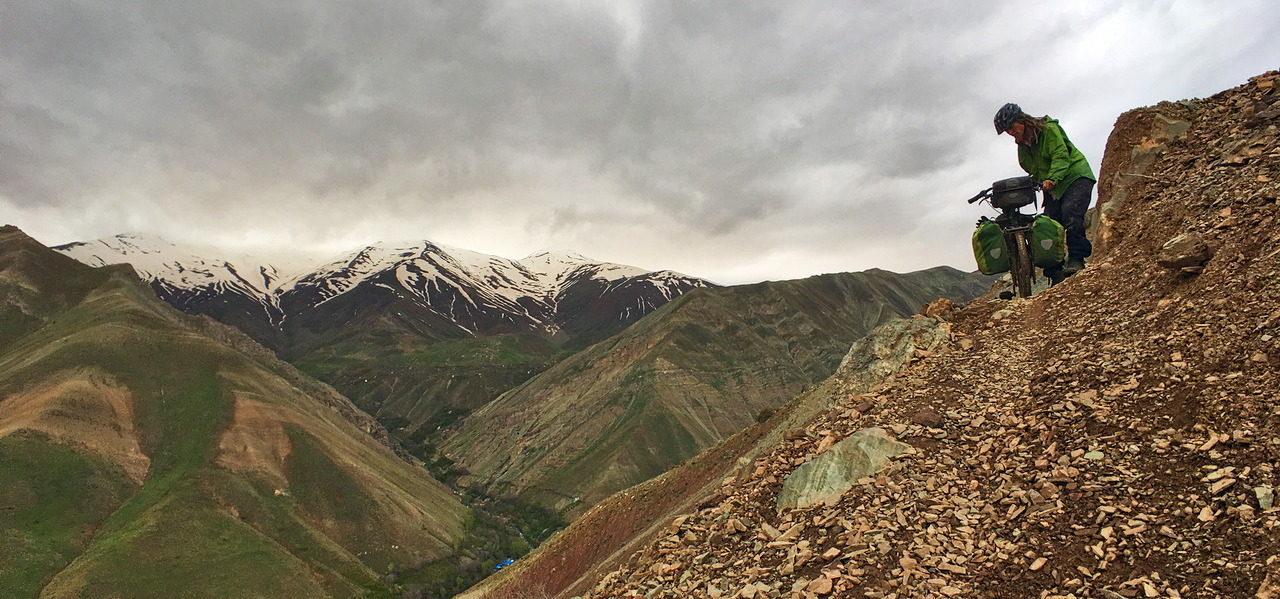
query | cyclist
[1045, 152]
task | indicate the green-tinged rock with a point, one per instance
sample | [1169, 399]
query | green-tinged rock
[888, 348]
[831, 474]
[1266, 496]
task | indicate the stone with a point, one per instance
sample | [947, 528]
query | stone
[927, 417]
[1188, 250]
[1266, 496]
[820, 585]
[1085, 398]
[939, 308]
[833, 473]
[1239, 153]
[887, 348]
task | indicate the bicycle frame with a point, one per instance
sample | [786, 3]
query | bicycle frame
[1016, 227]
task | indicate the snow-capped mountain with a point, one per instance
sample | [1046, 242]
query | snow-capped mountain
[478, 293]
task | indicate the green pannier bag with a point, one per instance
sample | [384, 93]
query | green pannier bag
[1048, 242]
[988, 249]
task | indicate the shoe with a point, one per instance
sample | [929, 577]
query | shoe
[1054, 274]
[1073, 266]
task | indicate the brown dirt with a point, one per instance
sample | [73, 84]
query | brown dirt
[256, 440]
[83, 408]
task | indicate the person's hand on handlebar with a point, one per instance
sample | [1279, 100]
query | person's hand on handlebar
[1047, 185]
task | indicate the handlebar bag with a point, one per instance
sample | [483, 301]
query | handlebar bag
[1048, 242]
[989, 250]
[1013, 193]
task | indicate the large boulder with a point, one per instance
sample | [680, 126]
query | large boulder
[888, 348]
[834, 472]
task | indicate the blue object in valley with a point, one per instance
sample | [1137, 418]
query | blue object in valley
[503, 564]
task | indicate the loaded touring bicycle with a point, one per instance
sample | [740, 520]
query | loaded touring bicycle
[1015, 242]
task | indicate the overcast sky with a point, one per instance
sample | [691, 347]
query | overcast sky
[737, 141]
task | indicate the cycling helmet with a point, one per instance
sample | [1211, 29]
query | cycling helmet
[1006, 116]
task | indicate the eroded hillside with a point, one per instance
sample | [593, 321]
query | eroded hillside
[1114, 436]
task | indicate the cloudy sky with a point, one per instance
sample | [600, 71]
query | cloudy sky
[733, 140]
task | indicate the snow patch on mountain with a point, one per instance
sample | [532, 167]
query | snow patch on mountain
[190, 267]
[454, 282]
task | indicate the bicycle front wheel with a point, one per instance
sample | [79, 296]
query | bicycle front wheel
[1020, 267]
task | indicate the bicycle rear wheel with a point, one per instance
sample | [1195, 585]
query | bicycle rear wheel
[1020, 267]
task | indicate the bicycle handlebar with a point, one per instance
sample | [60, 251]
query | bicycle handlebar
[986, 193]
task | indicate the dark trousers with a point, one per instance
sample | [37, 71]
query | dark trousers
[1070, 212]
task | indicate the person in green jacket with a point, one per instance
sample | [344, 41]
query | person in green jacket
[1046, 153]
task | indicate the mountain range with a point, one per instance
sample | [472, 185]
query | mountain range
[417, 334]
[469, 293]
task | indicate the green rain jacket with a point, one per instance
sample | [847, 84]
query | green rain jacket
[1052, 156]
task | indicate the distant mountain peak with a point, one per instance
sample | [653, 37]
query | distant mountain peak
[463, 286]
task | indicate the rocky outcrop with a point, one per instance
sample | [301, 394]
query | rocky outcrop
[1140, 137]
[890, 347]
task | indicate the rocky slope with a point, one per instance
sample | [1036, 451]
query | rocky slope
[1114, 436]
[697, 371]
[147, 453]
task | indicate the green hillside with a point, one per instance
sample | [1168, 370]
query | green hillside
[415, 385]
[145, 456]
[696, 371]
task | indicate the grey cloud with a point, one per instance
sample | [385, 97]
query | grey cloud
[754, 125]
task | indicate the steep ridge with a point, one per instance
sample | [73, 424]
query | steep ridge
[416, 333]
[146, 453]
[697, 371]
[1115, 436]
